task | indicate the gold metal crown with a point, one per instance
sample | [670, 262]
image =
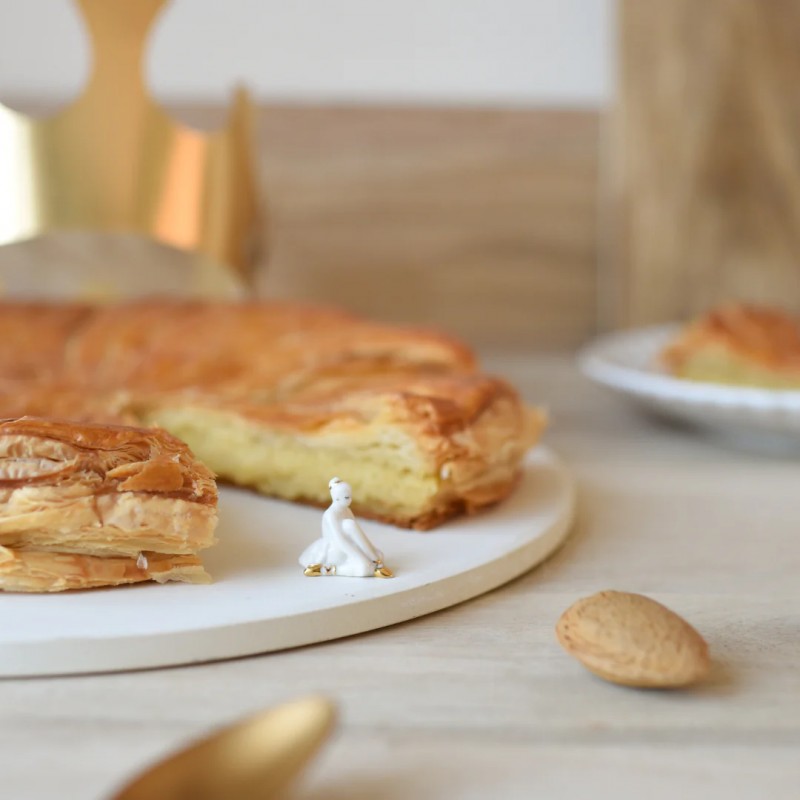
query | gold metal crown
[114, 160]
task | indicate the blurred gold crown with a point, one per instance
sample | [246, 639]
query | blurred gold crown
[114, 160]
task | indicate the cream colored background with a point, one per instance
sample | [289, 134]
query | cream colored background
[551, 52]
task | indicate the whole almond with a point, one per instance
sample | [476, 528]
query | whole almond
[633, 640]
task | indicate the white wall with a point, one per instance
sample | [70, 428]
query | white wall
[520, 51]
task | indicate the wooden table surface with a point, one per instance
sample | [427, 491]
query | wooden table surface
[479, 701]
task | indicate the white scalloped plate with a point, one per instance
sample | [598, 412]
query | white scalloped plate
[627, 362]
[260, 601]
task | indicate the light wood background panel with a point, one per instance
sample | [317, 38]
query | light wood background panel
[478, 221]
[704, 158]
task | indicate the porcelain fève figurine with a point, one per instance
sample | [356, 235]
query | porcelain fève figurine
[344, 549]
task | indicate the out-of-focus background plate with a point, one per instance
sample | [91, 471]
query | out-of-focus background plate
[627, 362]
[260, 600]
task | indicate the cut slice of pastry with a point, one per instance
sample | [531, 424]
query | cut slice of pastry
[84, 505]
[416, 452]
[738, 344]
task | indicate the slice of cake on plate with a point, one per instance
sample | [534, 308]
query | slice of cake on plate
[738, 344]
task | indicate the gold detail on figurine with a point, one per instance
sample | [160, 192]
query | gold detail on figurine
[382, 571]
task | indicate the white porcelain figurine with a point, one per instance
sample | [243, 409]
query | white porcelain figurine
[344, 549]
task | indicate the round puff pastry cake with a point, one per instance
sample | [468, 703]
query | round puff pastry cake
[738, 344]
[280, 397]
[86, 505]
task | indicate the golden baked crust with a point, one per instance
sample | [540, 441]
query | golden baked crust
[104, 494]
[280, 397]
[738, 344]
[33, 337]
[258, 350]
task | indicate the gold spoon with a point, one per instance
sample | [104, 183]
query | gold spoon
[250, 759]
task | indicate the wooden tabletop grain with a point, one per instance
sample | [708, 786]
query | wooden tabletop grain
[479, 701]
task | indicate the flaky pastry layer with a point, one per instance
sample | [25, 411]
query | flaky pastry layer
[104, 494]
[37, 571]
[407, 466]
[280, 397]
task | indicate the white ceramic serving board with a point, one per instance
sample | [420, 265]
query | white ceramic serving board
[260, 601]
